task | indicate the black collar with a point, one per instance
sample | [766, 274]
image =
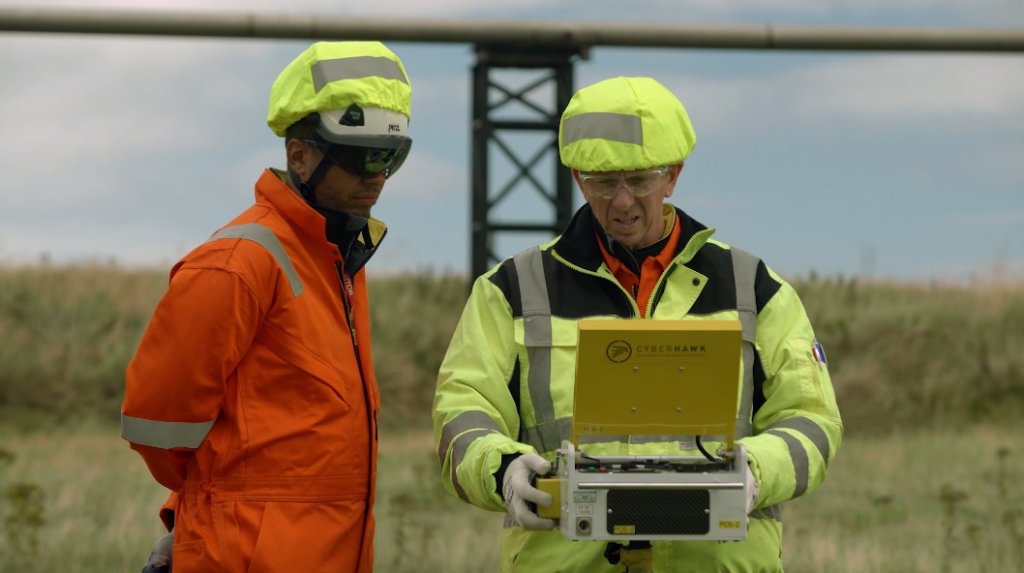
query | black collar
[577, 243]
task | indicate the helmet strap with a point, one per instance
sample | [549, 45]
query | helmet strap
[306, 188]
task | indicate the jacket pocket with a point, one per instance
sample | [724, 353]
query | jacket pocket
[283, 353]
[190, 557]
[300, 536]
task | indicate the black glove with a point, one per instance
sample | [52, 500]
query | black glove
[160, 557]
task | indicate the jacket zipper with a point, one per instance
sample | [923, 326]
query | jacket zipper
[659, 289]
[607, 277]
[346, 292]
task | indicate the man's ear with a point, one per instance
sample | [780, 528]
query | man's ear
[301, 157]
[674, 171]
[576, 176]
[673, 177]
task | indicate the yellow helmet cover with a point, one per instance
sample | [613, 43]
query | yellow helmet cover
[624, 124]
[330, 77]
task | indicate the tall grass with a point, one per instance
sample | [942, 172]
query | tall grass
[907, 355]
[100, 503]
[66, 335]
[930, 379]
[412, 320]
[901, 355]
[887, 506]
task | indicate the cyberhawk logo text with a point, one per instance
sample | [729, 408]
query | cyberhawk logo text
[618, 351]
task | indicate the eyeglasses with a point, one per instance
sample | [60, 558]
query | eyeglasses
[606, 184]
[365, 162]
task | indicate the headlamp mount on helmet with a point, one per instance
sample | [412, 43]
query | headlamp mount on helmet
[363, 141]
[363, 126]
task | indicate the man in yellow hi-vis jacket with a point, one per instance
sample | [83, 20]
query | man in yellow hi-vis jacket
[504, 395]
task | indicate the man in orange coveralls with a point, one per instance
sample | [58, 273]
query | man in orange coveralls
[252, 396]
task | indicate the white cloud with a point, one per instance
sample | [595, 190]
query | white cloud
[1000, 163]
[98, 107]
[991, 218]
[923, 88]
[427, 176]
[973, 92]
[139, 241]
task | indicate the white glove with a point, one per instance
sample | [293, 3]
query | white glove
[518, 491]
[751, 485]
[162, 551]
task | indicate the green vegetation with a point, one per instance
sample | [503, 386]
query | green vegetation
[903, 503]
[412, 320]
[66, 335]
[22, 515]
[920, 355]
[929, 378]
[901, 355]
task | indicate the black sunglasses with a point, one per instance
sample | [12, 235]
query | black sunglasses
[366, 162]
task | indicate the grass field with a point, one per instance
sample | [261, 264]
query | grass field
[929, 378]
[922, 502]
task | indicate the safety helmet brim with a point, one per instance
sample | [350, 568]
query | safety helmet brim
[364, 127]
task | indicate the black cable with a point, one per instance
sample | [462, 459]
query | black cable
[705, 452]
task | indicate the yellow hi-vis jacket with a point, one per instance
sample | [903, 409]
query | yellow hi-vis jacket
[506, 387]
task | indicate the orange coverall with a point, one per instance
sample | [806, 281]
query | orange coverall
[252, 397]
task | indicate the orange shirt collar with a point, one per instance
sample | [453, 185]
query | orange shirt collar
[641, 288]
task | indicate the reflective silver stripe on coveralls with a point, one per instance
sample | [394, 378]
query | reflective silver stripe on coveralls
[161, 434]
[164, 435]
[268, 240]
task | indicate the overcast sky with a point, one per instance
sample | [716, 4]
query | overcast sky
[889, 165]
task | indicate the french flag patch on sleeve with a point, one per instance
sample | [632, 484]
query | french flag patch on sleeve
[819, 353]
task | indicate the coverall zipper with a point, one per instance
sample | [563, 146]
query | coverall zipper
[346, 287]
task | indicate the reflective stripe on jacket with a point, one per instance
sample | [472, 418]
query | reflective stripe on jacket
[252, 398]
[506, 386]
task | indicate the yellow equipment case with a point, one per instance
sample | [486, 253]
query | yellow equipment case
[653, 380]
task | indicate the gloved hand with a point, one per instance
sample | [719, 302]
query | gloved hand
[160, 557]
[519, 490]
[751, 485]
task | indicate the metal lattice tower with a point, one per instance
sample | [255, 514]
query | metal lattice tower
[494, 122]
